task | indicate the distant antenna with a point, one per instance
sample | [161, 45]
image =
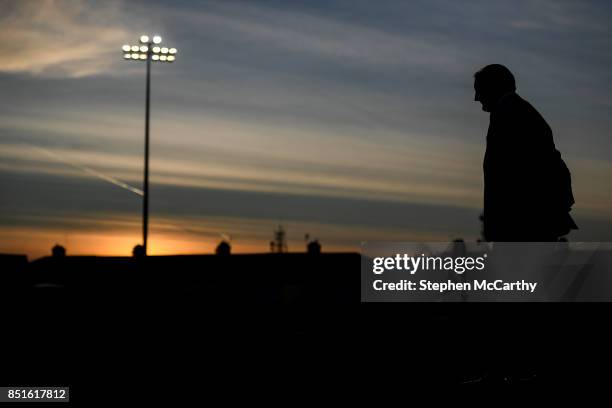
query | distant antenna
[279, 244]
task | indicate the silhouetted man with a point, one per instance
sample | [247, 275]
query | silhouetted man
[527, 186]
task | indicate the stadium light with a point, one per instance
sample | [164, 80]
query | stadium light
[148, 50]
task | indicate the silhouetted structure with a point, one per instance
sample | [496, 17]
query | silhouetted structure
[149, 53]
[58, 251]
[12, 273]
[482, 233]
[139, 251]
[169, 296]
[224, 248]
[458, 247]
[314, 247]
[528, 193]
[279, 244]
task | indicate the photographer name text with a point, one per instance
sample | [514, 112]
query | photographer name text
[449, 286]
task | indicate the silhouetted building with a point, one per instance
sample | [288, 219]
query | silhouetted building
[313, 247]
[58, 251]
[138, 251]
[224, 248]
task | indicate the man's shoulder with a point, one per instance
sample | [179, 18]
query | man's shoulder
[514, 107]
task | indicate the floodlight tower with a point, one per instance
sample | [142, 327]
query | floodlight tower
[148, 50]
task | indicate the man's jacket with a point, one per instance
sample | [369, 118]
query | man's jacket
[528, 191]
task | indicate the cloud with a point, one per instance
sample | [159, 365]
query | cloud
[60, 38]
[423, 183]
[298, 32]
[69, 205]
[562, 16]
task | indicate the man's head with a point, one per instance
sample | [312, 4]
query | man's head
[491, 83]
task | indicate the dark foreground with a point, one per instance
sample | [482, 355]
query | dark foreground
[183, 325]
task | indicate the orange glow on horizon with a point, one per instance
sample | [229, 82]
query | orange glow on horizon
[36, 243]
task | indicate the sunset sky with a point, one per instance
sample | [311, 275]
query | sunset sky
[348, 120]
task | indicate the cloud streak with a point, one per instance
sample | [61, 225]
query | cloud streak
[62, 38]
[90, 171]
[300, 32]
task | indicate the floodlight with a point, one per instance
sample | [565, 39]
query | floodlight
[148, 50]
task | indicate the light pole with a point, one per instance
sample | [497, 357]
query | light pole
[148, 50]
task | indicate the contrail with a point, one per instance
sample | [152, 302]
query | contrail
[88, 170]
[196, 231]
[121, 184]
